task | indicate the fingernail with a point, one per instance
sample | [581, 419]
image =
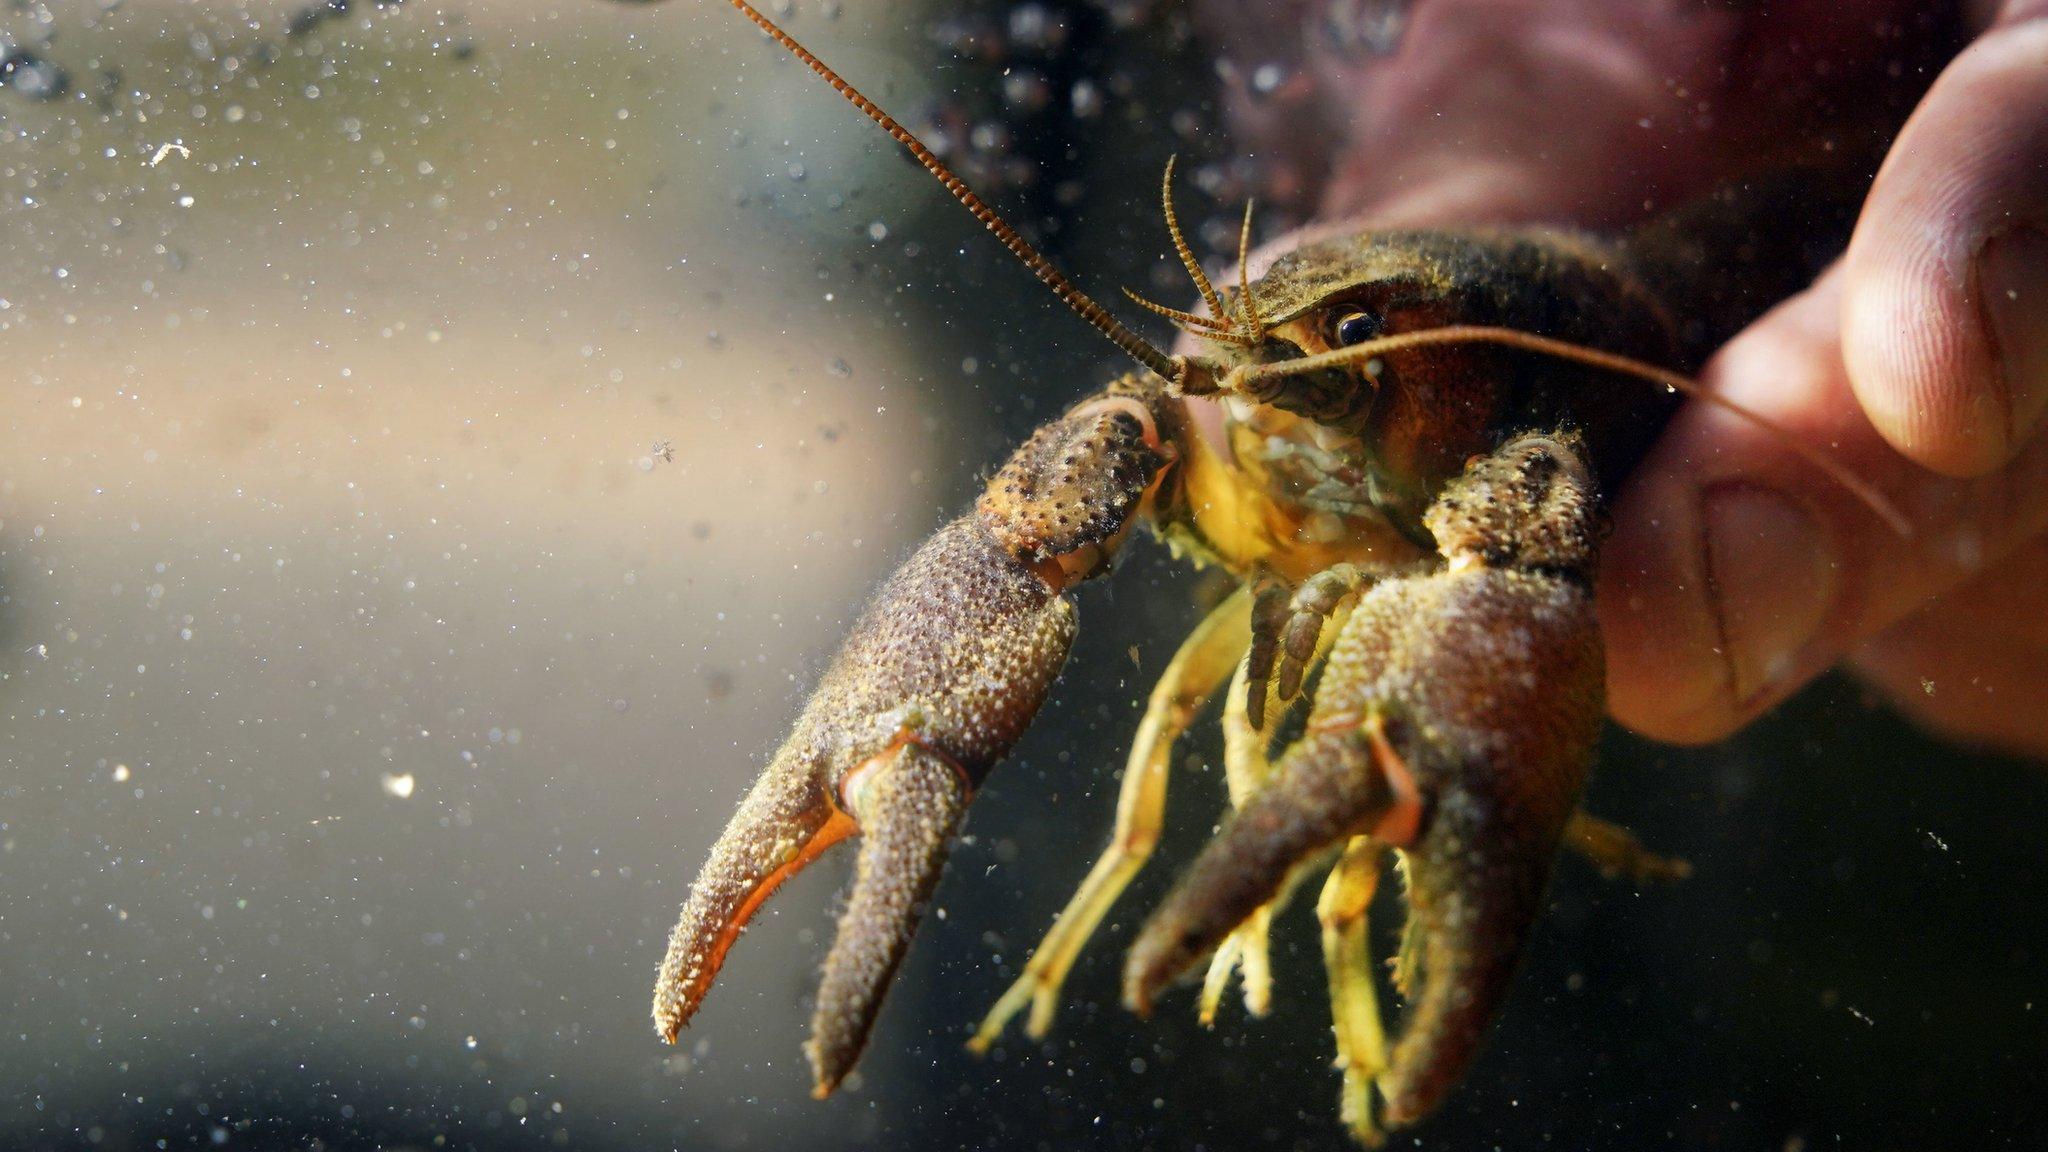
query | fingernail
[2012, 276]
[1771, 573]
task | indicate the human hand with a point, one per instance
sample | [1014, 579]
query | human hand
[1920, 360]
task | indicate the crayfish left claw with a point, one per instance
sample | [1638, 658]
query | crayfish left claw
[936, 682]
[785, 822]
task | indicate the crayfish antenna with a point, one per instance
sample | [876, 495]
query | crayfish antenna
[1203, 327]
[1246, 329]
[1077, 301]
[1187, 254]
[1263, 382]
[1253, 325]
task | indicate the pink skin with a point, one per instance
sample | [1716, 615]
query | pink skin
[1920, 359]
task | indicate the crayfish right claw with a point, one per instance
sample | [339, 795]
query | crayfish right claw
[1454, 721]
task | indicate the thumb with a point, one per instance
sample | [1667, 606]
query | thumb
[1737, 572]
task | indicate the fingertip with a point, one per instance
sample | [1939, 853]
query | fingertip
[1945, 315]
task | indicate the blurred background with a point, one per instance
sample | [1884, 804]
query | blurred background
[443, 442]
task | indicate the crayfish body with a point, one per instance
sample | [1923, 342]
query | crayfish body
[1400, 445]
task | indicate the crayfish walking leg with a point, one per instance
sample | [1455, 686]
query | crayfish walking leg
[1204, 660]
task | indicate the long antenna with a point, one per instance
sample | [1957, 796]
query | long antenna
[1087, 309]
[1248, 379]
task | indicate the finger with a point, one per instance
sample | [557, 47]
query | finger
[1973, 665]
[1946, 316]
[1737, 572]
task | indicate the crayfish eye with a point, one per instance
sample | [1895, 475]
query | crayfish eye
[1355, 328]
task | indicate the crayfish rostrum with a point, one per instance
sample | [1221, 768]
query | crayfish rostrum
[1399, 444]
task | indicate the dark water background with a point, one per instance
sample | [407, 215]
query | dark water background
[371, 684]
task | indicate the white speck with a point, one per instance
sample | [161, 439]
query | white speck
[164, 150]
[400, 786]
[1938, 841]
[1862, 1017]
[120, 773]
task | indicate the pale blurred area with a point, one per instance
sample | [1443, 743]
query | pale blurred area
[426, 472]
[438, 451]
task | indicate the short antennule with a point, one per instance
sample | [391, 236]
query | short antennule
[1133, 345]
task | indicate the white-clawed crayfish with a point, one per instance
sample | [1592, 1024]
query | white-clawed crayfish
[1399, 444]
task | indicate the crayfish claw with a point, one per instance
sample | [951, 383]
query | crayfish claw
[1454, 722]
[908, 808]
[938, 679]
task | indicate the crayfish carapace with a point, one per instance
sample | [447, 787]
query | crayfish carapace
[1400, 443]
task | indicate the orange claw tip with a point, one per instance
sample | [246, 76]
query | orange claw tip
[785, 823]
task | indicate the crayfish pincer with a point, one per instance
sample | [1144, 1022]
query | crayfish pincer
[939, 678]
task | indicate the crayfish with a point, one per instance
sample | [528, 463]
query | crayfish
[1399, 445]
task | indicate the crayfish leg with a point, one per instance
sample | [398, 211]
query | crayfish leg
[1246, 768]
[1203, 661]
[1616, 852]
[1354, 1001]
